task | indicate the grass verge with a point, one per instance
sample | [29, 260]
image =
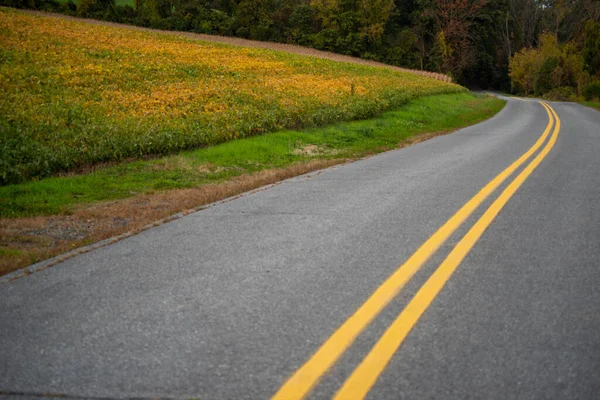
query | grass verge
[41, 219]
[592, 104]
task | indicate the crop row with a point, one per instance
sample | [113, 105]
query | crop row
[75, 94]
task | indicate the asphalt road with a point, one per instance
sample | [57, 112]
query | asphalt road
[230, 302]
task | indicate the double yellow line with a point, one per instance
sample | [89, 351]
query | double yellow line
[365, 375]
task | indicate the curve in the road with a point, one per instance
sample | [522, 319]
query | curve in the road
[365, 375]
[358, 385]
[229, 302]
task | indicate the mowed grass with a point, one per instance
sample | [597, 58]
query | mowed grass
[219, 163]
[74, 94]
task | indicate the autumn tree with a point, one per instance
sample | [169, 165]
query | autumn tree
[523, 68]
[373, 16]
[573, 66]
[473, 40]
[453, 21]
[540, 69]
[326, 12]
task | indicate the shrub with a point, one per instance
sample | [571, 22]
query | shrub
[523, 68]
[564, 93]
[68, 8]
[591, 91]
[370, 56]
[93, 8]
[543, 77]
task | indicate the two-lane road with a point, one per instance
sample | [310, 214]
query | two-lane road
[467, 266]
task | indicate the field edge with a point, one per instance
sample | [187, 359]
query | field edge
[148, 210]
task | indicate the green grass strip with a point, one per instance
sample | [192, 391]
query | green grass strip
[58, 195]
[592, 104]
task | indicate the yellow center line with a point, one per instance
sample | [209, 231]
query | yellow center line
[519, 98]
[305, 378]
[366, 374]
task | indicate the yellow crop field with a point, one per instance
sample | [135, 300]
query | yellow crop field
[74, 93]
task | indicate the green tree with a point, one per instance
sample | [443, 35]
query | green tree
[591, 48]
[543, 81]
[301, 24]
[87, 8]
[373, 16]
[549, 66]
[574, 67]
[153, 10]
[326, 13]
[254, 19]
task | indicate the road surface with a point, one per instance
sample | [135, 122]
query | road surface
[467, 266]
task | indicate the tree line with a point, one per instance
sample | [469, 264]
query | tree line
[523, 46]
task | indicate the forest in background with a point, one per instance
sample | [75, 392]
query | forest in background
[541, 47]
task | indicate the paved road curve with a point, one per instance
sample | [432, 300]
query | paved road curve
[467, 266]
